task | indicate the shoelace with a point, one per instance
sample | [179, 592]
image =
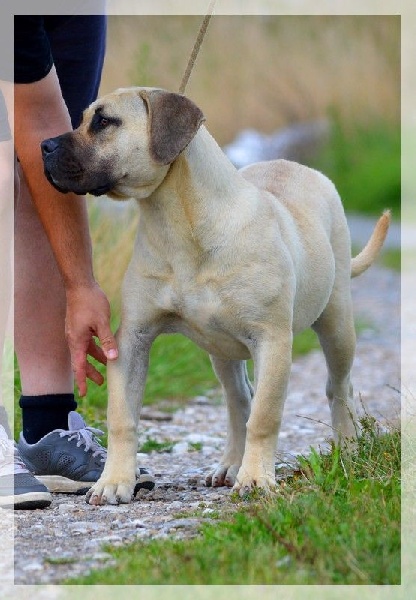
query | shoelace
[86, 436]
[10, 456]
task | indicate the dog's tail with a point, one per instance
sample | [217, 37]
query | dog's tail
[368, 254]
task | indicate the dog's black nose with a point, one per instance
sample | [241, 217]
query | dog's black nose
[49, 146]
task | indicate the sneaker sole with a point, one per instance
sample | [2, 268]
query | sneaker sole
[29, 501]
[58, 484]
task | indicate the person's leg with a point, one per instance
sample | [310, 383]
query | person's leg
[77, 45]
[6, 238]
[6, 275]
[41, 348]
[18, 487]
[40, 345]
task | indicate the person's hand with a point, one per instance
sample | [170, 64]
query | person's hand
[87, 317]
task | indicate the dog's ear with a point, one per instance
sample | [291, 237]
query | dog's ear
[173, 122]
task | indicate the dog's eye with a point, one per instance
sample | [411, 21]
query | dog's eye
[100, 122]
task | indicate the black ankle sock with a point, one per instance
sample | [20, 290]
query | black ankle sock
[4, 421]
[43, 414]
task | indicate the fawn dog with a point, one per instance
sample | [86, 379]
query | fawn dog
[238, 261]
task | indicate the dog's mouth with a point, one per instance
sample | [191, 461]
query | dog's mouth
[54, 182]
[66, 172]
[64, 187]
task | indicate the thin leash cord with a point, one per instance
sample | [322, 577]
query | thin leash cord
[197, 46]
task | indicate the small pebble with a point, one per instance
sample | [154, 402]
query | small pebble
[180, 448]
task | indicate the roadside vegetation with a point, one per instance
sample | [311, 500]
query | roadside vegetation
[335, 520]
[365, 164]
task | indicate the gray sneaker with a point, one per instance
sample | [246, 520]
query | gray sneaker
[19, 489]
[71, 461]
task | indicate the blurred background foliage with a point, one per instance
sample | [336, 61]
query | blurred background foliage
[267, 72]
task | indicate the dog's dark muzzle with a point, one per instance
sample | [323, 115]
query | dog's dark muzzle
[49, 146]
[65, 170]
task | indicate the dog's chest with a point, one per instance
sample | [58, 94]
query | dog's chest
[199, 312]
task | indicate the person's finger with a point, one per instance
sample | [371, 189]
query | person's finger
[84, 370]
[79, 366]
[93, 374]
[97, 352]
[108, 342]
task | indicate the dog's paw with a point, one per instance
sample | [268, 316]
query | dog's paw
[247, 482]
[104, 492]
[224, 475]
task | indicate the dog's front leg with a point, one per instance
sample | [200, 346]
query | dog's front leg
[272, 361]
[126, 381]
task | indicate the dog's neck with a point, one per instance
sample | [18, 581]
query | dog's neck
[203, 196]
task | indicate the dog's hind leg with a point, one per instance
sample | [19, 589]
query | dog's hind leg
[238, 392]
[336, 332]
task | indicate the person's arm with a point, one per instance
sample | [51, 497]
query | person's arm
[40, 113]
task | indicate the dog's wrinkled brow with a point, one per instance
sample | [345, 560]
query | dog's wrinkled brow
[101, 121]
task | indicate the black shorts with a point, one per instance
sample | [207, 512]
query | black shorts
[75, 44]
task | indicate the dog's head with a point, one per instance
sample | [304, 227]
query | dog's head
[124, 145]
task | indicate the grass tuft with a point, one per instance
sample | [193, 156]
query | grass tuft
[364, 163]
[335, 521]
[151, 445]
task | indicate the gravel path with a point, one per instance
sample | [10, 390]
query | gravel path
[66, 539]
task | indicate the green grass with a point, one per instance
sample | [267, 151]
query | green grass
[364, 162]
[392, 259]
[335, 521]
[151, 445]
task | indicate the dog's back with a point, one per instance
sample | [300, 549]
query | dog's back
[288, 181]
